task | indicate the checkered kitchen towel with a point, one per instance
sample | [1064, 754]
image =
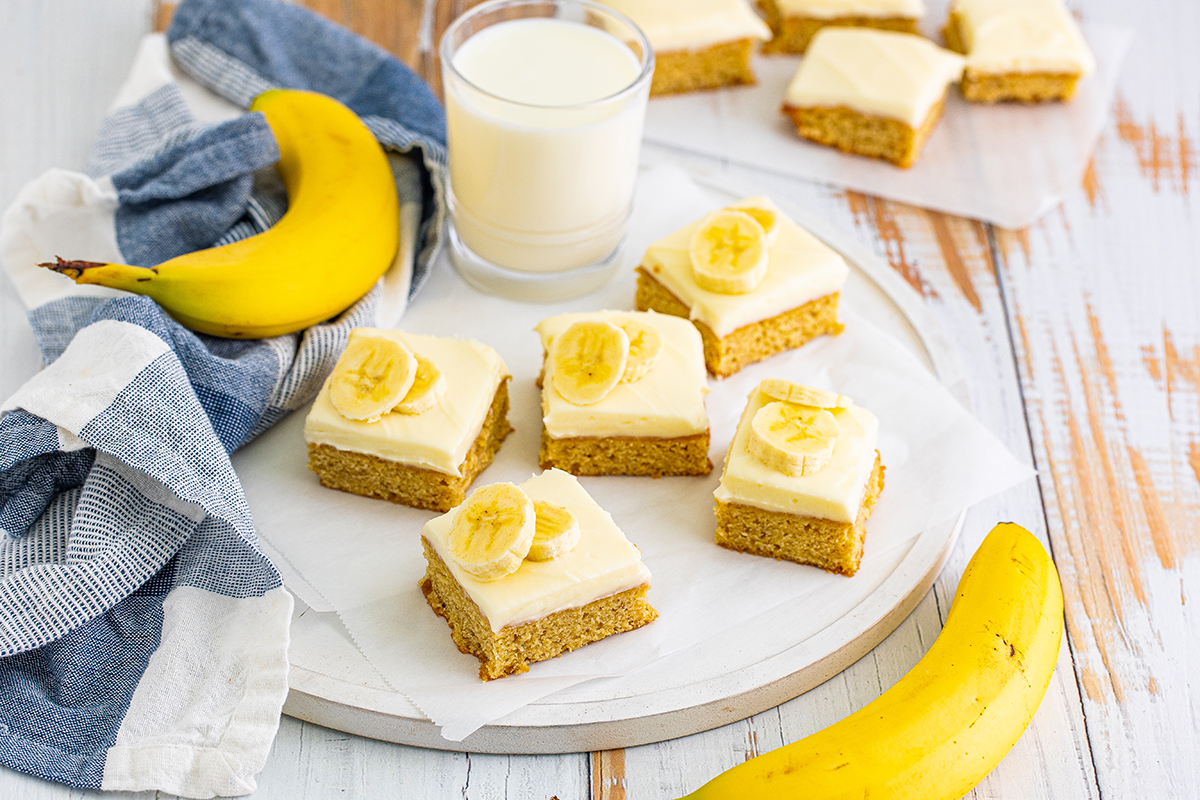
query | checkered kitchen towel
[143, 634]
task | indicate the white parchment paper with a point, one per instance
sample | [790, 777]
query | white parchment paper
[362, 557]
[1005, 163]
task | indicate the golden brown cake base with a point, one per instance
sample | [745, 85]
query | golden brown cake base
[725, 64]
[751, 343]
[832, 546]
[514, 648]
[1019, 87]
[627, 455]
[793, 34]
[864, 134]
[372, 476]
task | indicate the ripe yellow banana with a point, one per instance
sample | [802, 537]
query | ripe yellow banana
[955, 715]
[338, 236]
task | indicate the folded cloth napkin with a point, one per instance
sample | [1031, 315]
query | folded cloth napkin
[143, 634]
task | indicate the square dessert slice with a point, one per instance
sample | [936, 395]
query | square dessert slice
[644, 415]
[801, 477]
[793, 23]
[698, 44]
[1029, 51]
[873, 93]
[796, 300]
[423, 455]
[537, 609]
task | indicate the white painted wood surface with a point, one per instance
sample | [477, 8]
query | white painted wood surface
[1082, 348]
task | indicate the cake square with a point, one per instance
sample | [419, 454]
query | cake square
[818, 518]
[698, 44]
[793, 23]
[1029, 51]
[424, 460]
[796, 300]
[872, 93]
[654, 425]
[544, 608]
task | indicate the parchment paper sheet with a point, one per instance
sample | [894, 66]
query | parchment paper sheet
[1005, 163]
[362, 557]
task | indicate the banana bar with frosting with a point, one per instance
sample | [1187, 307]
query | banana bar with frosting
[698, 44]
[1029, 51]
[801, 477]
[794, 22]
[408, 418]
[623, 394]
[526, 573]
[799, 279]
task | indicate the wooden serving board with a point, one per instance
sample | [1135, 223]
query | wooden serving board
[332, 684]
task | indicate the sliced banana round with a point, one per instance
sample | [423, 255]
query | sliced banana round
[588, 361]
[428, 387]
[768, 218]
[493, 531]
[729, 252]
[372, 375]
[557, 532]
[793, 439]
[645, 345]
[790, 392]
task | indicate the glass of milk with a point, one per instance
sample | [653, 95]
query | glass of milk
[544, 107]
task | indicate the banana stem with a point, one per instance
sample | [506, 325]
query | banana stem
[116, 276]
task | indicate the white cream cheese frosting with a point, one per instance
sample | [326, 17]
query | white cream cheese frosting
[436, 439]
[667, 402]
[831, 9]
[835, 492]
[801, 268]
[601, 565]
[897, 75]
[1004, 36]
[673, 25]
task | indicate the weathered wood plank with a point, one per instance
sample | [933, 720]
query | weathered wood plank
[1102, 297]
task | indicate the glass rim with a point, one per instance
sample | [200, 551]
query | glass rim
[643, 76]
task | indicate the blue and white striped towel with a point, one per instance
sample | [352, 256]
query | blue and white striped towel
[143, 634]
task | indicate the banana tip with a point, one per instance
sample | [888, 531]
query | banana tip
[72, 269]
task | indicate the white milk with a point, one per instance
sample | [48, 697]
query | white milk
[542, 173]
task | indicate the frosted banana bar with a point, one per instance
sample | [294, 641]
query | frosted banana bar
[873, 93]
[698, 44]
[425, 459]
[1029, 51]
[541, 608]
[795, 301]
[623, 394]
[801, 477]
[793, 23]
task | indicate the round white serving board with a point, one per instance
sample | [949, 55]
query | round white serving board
[333, 685]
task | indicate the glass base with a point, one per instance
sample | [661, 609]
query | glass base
[531, 287]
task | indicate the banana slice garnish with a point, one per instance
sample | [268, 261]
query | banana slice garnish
[793, 439]
[645, 345]
[728, 252]
[556, 534]
[589, 360]
[790, 392]
[428, 387]
[372, 375]
[766, 217]
[493, 531]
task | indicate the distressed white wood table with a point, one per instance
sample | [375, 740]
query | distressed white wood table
[1081, 342]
